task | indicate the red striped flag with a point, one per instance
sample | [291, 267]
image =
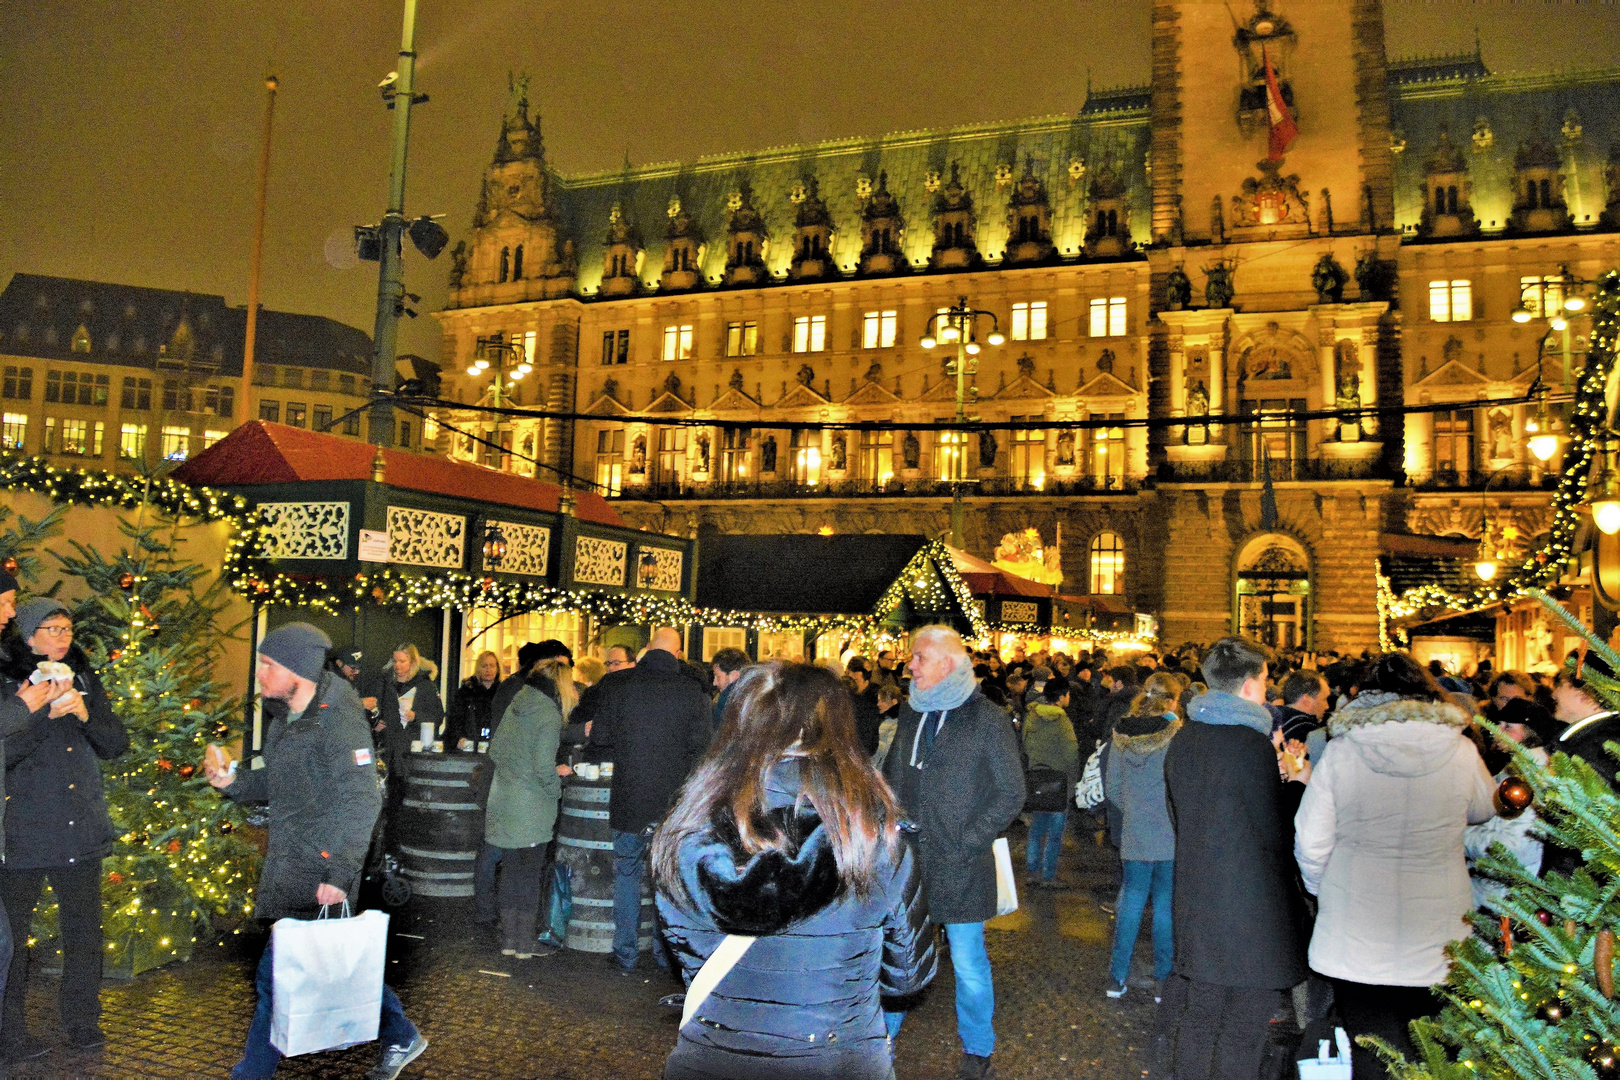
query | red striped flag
[1279, 120]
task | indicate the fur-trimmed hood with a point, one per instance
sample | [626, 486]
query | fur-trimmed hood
[1148, 743]
[1401, 736]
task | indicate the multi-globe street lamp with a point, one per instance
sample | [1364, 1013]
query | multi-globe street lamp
[959, 326]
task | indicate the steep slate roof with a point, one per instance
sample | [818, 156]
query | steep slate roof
[801, 574]
[40, 314]
[1112, 123]
[265, 453]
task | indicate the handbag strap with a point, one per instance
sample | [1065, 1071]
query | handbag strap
[721, 961]
[323, 913]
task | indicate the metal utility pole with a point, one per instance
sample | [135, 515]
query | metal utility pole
[250, 339]
[957, 325]
[400, 90]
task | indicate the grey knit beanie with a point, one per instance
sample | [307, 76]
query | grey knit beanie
[31, 614]
[298, 647]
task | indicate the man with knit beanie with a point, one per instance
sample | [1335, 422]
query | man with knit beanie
[320, 784]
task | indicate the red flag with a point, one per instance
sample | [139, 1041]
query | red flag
[1278, 119]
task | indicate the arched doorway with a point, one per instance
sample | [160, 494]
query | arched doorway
[1273, 592]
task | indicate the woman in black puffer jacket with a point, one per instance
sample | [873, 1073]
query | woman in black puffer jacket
[57, 825]
[787, 834]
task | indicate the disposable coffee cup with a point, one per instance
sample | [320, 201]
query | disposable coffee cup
[416, 746]
[483, 748]
[427, 733]
[438, 746]
[606, 770]
[587, 771]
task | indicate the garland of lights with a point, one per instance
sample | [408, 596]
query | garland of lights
[1586, 425]
[19, 470]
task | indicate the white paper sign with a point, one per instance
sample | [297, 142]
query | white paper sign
[373, 545]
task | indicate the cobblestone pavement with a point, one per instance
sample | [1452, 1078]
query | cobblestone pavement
[573, 1017]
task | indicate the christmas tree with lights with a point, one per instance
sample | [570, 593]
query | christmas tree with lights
[1531, 994]
[152, 632]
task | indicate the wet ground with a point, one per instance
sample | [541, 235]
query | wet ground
[572, 1016]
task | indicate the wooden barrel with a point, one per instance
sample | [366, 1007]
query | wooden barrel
[585, 846]
[440, 824]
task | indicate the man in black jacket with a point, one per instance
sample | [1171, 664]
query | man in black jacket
[955, 769]
[652, 722]
[1239, 919]
[321, 786]
[1591, 723]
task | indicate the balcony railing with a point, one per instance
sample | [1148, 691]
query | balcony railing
[1517, 480]
[1281, 471]
[922, 487]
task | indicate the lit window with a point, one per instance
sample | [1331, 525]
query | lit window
[13, 430]
[1451, 301]
[1542, 296]
[18, 383]
[615, 347]
[81, 340]
[1029, 320]
[1028, 458]
[1107, 564]
[1108, 317]
[48, 444]
[950, 453]
[678, 342]
[609, 461]
[212, 437]
[878, 329]
[1106, 447]
[877, 457]
[176, 443]
[132, 441]
[671, 454]
[295, 414]
[805, 447]
[734, 453]
[742, 338]
[810, 333]
[528, 347]
[75, 437]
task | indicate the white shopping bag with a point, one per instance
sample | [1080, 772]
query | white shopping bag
[1323, 1067]
[328, 981]
[1006, 884]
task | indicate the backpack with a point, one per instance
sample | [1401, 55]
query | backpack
[1088, 793]
[1046, 790]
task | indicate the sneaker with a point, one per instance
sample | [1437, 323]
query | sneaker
[25, 1048]
[1115, 990]
[395, 1058]
[1158, 990]
[974, 1067]
[85, 1038]
[672, 1001]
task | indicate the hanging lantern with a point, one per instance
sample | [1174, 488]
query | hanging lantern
[126, 581]
[494, 546]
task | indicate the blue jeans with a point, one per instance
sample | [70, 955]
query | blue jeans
[489, 857]
[1143, 880]
[629, 867]
[1045, 842]
[259, 1058]
[975, 993]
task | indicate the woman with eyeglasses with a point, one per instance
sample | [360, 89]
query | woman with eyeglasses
[56, 823]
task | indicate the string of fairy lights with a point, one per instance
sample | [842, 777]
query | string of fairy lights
[1589, 424]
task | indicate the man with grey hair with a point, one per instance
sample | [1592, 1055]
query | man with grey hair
[955, 769]
[1240, 925]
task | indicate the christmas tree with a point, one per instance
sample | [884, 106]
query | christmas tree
[1531, 994]
[151, 630]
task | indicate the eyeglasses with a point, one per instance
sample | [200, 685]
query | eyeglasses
[616, 664]
[57, 631]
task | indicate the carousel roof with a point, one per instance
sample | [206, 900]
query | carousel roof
[264, 453]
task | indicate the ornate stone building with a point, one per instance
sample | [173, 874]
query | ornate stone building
[1151, 269]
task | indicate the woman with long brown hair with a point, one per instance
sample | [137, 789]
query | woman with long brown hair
[786, 835]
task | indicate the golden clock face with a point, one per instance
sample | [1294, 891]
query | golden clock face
[1264, 27]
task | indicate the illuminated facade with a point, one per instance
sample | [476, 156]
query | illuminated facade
[105, 376]
[1144, 260]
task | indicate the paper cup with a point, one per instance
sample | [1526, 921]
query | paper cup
[416, 746]
[427, 733]
[606, 770]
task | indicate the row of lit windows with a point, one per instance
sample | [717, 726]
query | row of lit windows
[879, 330]
[1452, 300]
[87, 438]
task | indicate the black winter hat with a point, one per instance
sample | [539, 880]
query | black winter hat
[298, 647]
[7, 582]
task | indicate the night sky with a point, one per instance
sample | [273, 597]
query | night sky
[129, 136]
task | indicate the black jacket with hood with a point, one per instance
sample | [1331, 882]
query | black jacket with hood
[804, 1000]
[57, 810]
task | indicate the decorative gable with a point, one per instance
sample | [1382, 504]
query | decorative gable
[733, 399]
[944, 390]
[1106, 385]
[667, 403]
[1023, 387]
[801, 397]
[871, 393]
[1451, 374]
[607, 405]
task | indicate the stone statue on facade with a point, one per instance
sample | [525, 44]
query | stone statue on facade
[1198, 399]
[840, 451]
[1178, 290]
[1328, 279]
[702, 443]
[767, 455]
[638, 456]
[911, 450]
[458, 264]
[987, 450]
[1065, 447]
[1218, 289]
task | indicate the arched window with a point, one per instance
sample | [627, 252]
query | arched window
[1107, 564]
[1451, 199]
[1546, 193]
[517, 263]
[1530, 193]
[506, 265]
[1439, 200]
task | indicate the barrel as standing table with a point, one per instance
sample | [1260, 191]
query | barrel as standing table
[440, 823]
[585, 846]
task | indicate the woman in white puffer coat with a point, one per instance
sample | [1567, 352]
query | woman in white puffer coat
[1379, 839]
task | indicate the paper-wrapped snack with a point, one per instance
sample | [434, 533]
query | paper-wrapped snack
[51, 671]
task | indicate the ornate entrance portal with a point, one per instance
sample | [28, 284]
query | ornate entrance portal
[1273, 592]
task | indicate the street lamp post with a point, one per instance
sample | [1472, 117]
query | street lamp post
[958, 326]
[1488, 562]
[509, 356]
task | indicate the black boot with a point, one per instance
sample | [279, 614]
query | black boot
[974, 1067]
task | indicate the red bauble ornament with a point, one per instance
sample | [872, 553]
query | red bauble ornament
[1544, 917]
[1513, 797]
[174, 845]
[10, 565]
[115, 877]
[488, 583]
[126, 581]
[115, 655]
[186, 771]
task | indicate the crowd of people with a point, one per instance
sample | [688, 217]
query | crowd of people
[1304, 828]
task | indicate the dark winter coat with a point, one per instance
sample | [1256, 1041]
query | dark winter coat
[505, 691]
[396, 737]
[804, 999]
[57, 810]
[866, 717]
[1239, 915]
[652, 722]
[320, 782]
[472, 712]
[14, 720]
[1583, 739]
[961, 793]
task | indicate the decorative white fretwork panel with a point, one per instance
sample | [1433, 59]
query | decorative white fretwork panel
[598, 561]
[528, 548]
[423, 538]
[304, 530]
[659, 568]
[1018, 611]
